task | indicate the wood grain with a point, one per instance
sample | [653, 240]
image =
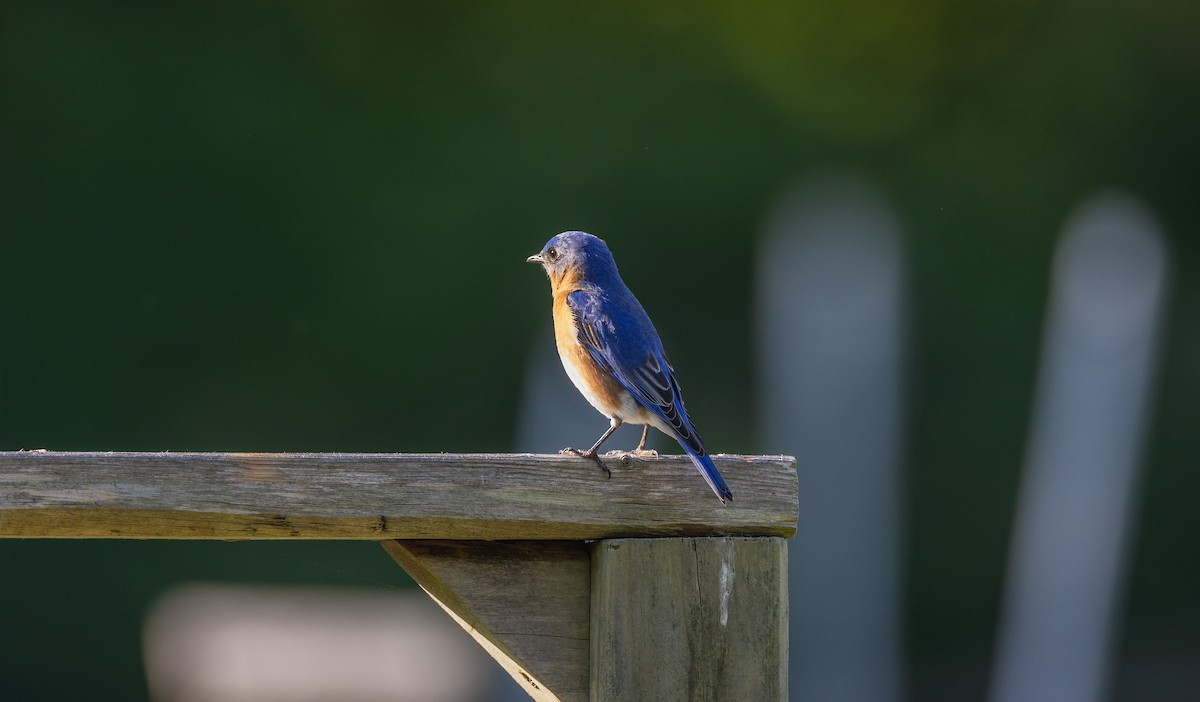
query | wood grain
[525, 602]
[234, 496]
[693, 620]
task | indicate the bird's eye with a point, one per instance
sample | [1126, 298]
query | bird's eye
[551, 253]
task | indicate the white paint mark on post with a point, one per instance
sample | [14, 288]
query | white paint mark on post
[726, 588]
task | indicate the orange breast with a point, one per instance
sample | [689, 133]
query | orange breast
[597, 386]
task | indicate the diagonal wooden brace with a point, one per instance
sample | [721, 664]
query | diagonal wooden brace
[619, 619]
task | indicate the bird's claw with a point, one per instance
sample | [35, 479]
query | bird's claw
[588, 454]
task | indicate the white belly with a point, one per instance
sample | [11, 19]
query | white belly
[628, 410]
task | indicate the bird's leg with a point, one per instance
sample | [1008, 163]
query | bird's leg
[591, 453]
[641, 449]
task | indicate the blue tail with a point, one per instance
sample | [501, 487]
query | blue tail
[712, 476]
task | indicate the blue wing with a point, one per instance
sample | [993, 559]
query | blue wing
[635, 358]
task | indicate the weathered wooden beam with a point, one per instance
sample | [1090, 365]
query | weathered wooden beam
[525, 602]
[374, 497]
[689, 619]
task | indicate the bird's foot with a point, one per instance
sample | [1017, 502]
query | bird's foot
[588, 454]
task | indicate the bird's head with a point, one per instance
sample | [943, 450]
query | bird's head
[574, 256]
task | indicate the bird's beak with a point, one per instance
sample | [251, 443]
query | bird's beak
[536, 258]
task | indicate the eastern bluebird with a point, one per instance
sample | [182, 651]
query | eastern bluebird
[612, 352]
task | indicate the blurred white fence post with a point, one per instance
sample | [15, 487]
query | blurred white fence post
[1077, 503]
[237, 643]
[831, 348]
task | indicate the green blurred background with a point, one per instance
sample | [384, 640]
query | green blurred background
[302, 227]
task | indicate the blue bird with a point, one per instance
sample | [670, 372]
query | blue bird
[612, 352]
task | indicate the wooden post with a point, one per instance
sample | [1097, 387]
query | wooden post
[689, 619]
[699, 613]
